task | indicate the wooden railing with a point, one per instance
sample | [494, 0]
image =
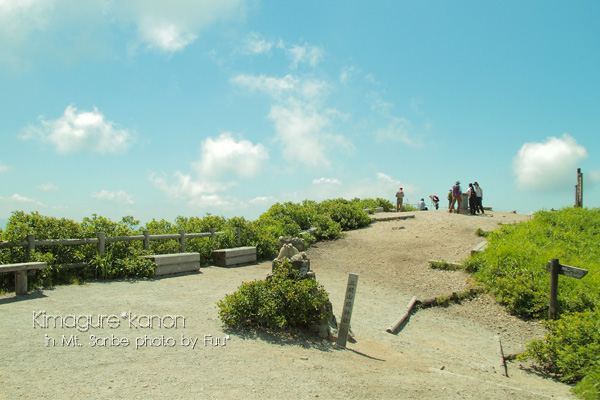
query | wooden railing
[101, 239]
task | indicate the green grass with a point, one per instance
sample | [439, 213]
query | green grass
[513, 268]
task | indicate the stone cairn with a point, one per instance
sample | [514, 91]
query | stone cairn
[292, 250]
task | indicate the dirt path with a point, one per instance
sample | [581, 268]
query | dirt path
[440, 353]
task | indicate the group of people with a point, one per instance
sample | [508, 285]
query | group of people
[474, 194]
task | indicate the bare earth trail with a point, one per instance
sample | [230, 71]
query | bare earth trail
[440, 353]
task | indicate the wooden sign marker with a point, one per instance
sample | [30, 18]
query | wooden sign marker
[347, 311]
[555, 269]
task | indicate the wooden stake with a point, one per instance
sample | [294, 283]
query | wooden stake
[347, 310]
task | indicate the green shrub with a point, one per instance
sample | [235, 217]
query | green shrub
[283, 301]
[589, 387]
[571, 347]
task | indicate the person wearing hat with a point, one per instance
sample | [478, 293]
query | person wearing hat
[478, 198]
[456, 197]
[399, 198]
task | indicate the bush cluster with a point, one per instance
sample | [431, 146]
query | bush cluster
[284, 300]
[122, 259]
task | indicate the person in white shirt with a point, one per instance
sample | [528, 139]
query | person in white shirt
[422, 205]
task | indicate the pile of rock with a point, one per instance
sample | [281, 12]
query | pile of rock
[292, 250]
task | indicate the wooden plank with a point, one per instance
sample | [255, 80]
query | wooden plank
[177, 258]
[228, 262]
[177, 268]
[480, 247]
[234, 252]
[569, 271]
[22, 266]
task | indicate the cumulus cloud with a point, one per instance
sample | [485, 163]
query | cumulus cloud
[222, 160]
[80, 131]
[3, 168]
[548, 165]
[326, 181]
[347, 73]
[118, 197]
[226, 154]
[399, 129]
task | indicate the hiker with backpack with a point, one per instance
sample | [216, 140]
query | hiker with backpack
[456, 198]
[472, 199]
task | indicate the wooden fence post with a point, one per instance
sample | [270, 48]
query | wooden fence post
[238, 236]
[182, 241]
[101, 243]
[146, 240]
[554, 270]
[30, 246]
[212, 233]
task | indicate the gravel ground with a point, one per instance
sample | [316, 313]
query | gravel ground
[439, 353]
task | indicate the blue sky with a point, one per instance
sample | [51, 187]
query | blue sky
[157, 109]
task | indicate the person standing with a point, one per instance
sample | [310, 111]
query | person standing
[456, 197]
[479, 198]
[472, 199]
[399, 198]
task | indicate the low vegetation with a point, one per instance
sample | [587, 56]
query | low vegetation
[285, 300]
[514, 270]
[122, 259]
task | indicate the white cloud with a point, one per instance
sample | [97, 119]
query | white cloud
[29, 27]
[171, 26]
[255, 44]
[301, 133]
[3, 168]
[326, 181]
[306, 53]
[48, 187]
[85, 131]
[220, 159]
[17, 198]
[274, 87]
[119, 196]
[225, 154]
[549, 165]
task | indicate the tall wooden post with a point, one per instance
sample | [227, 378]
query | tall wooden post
[347, 312]
[579, 189]
[554, 271]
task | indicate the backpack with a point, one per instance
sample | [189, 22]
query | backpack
[456, 191]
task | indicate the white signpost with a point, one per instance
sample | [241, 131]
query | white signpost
[347, 311]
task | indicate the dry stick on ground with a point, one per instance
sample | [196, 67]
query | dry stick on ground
[397, 324]
[503, 365]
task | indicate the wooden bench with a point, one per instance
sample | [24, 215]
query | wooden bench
[175, 263]
[235, 256]
[21, 271]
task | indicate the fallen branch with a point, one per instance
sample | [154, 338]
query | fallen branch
[394, 327]
[503, 365]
